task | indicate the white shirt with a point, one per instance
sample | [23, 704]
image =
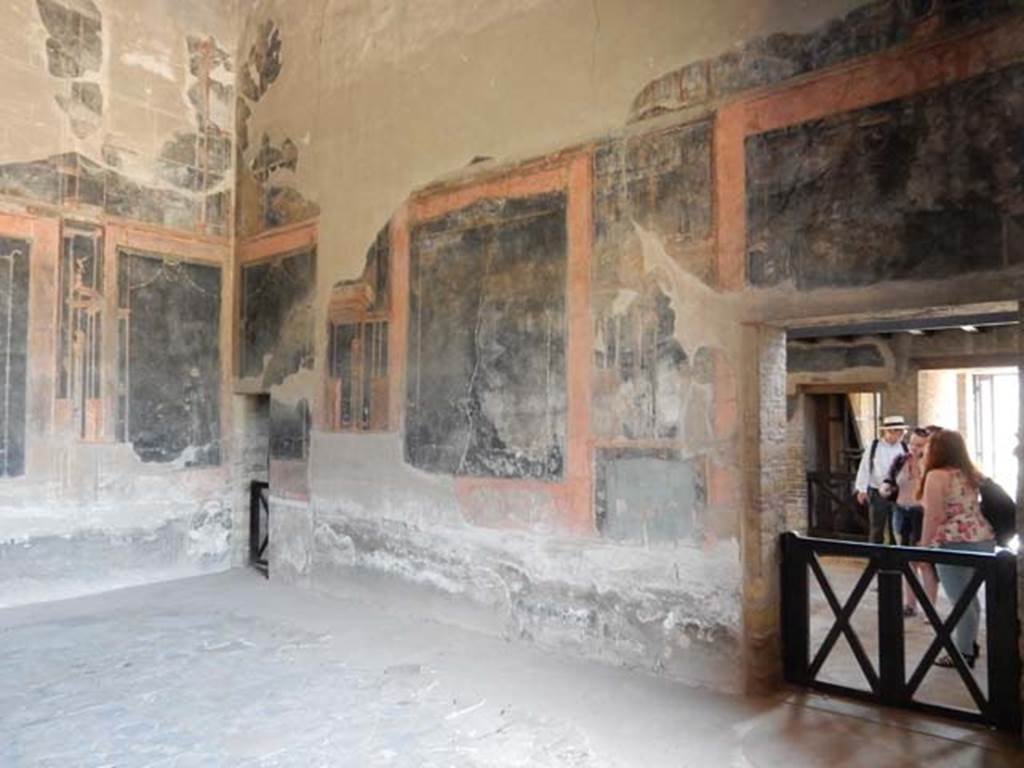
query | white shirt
[872, 477]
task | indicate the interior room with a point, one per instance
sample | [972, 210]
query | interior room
[449, 383]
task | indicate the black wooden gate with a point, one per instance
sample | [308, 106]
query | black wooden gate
[890, 684]
[832, 506]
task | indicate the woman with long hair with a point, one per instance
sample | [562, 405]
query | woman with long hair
[953, 520]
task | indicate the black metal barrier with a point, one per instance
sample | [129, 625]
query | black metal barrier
[833, 510]
[890, 684]
[259, 523]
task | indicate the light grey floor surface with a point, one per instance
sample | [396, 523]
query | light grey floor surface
[231, 670]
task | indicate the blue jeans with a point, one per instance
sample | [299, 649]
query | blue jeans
[906, 523]
[954, 580]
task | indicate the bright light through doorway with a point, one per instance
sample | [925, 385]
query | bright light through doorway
[982, 403]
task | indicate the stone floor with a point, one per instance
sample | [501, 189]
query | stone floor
[231, 670]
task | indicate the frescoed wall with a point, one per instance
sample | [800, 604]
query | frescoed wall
[534, 386]
[116, 190]
[497, 279]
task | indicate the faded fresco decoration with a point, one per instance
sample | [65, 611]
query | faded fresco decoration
[358, 343]
[74, 55]
[925, 187]
[72, 180]
[14, 277]
[659, 181]
[277, 317]
[289, 429]
[765, 61]
[80, 321]
[486, 368]
[169, 359]
[267, 196]
[200, 161]
[653, 399]
[187, 186]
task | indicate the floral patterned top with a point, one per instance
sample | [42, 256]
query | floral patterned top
[964, 521]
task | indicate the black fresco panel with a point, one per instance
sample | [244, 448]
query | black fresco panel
[173, 359]
[289, 429]
[919, 188]
[276, 301]
[486, 376]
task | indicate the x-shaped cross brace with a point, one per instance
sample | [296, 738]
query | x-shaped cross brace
[843, 615]
[944, 635]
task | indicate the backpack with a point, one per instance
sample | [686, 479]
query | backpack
[999, 509]
[874, 450]
[894, 490]
[894, 471]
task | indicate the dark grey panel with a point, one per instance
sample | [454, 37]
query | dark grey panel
[14, 276]
[486, 374]
[647, 494]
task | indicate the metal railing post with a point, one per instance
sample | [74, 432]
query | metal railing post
[796, 624]
[891, 657]
[1002, 628]
[254, 520]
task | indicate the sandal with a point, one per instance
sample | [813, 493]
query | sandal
[945, 660]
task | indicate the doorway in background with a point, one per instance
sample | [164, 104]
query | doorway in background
[253, 412]
[839, 426]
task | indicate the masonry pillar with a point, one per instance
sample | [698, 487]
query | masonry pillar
[796, 463]
[1020, 478]
[764, 513]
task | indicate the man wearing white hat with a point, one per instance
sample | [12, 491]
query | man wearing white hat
[874, 468]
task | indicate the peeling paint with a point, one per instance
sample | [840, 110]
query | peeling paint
[155, 63]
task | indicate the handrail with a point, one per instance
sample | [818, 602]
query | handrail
[844, 548]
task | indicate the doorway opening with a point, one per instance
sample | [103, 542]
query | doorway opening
[838, 425]
[253, 411]
[860, 618]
